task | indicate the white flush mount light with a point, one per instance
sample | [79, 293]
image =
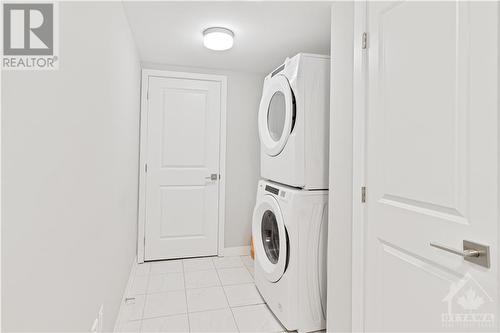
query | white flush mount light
[218, 39]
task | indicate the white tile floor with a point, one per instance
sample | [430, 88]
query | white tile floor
[196, 295]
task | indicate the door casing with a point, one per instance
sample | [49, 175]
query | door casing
[360, 77]
[141, 222]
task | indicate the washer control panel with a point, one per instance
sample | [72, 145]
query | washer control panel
[276, 191]
[272, 190]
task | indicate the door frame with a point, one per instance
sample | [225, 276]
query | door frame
[141, 218]
[346, 210]
[360, 110]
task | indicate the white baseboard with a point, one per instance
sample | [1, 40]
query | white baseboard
[237, 251]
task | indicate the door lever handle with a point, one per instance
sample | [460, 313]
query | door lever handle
[213, 176]
[475, 253]
[464, 253]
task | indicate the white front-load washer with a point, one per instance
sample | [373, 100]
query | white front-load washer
[293, 122]
[289, 230]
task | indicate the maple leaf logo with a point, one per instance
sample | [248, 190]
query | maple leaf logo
[470, 301]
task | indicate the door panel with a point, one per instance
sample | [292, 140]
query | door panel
[423, 97]
[187, 127]
[176, 220]
[415, 273]
[182, 153]
[432, 167]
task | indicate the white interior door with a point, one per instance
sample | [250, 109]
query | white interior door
[182, 179]
[432, 165]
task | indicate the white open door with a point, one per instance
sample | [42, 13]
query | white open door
[182, 156]
[432, 166]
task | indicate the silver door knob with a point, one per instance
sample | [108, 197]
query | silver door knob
[213, 176]
[473, 252]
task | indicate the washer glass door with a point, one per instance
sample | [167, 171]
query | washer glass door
[270, 236]
[270, 240]
[276, 114]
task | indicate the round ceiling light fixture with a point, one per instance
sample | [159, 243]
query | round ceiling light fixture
[218, 39]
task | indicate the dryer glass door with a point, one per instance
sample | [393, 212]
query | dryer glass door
[270, 239]
[276, 114]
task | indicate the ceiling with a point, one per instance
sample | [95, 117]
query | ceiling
[265, 32]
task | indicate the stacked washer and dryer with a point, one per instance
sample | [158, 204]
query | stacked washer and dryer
[289, 226]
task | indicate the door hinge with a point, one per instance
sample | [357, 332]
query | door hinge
[363, 194]
[364, 41]
[146, 167]
[147, 95]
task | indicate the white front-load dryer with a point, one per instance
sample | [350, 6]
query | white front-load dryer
[293, 122]
[289, 230]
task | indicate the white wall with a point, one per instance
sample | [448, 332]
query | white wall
[341, 162]
[243, 149]
[70, 172]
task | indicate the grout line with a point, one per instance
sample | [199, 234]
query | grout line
[230, 267]
[166, 316]
[251, 274]
[119, 318]
[145, 297]
[187, 313]
[283, 329]
[219, 285]
[162, 292]
[200, 270]
[185, 295]
[247, 305]
[129, 294]
[209, 310]
[164, 275]
[149, 275]
[201, 311]
[168, 272]
[229, 305]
